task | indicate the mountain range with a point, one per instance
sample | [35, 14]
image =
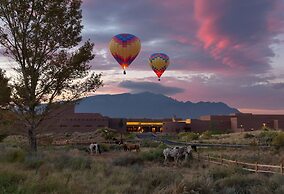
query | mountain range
[149, 105]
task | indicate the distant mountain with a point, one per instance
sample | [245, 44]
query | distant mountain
[149, 105]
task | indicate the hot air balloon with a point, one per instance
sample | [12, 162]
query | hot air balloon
[159, 63]
[124, 48]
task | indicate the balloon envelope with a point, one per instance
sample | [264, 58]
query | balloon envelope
[159, 63]
[124, 48]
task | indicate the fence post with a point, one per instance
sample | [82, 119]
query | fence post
[281, 166]
[256, 167]
[236, 162]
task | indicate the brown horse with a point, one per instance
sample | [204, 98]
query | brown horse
[130, 147]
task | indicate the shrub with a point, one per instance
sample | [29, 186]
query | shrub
[54, 185]
[2, 137]
[154, 179]
[188, 136]
[105, 147]
[162, 146]
[127, 160]
[130, 136]
[9, 181]
[201, 185]
[206, 135]
[33, 161]
[152, 155]
[220, 173]
[149, 143]
[240, 183]
[266, 137]
[278, 141]
[15, 155]
[248, 135]
[74, 163]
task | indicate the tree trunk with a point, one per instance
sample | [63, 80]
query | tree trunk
[32, 139]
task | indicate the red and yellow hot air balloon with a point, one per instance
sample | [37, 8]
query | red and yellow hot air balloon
[159, 63]
[124, 48]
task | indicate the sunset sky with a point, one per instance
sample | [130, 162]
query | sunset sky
[220, 50]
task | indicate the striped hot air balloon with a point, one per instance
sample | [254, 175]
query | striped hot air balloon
[124, 48]
[159, 63]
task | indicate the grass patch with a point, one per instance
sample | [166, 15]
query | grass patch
[128, 160]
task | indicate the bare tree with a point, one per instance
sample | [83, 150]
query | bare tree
[43, 38]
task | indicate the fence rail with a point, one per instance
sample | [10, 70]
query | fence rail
[252, 167]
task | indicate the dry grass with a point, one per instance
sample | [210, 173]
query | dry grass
[70, 170]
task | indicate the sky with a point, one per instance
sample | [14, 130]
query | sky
[229, 51]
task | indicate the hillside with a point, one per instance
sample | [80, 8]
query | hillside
[149, 105]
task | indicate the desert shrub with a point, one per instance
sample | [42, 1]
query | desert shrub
[152, 155]
[14, 155]
[128, 160]
[266, 137]
[201, 185]
[105, 147]
[33, 161]
[220, 173]
[239, 183]
[50, 185]
[115, 147]
[177, 187]
[248, 135]
[130, 136]
[162, 146]
[153, 180]
[188, 136]
[74, 163]
[278, 141]
[149, 143]
[206, 135]
[3, 136]
[9, 181]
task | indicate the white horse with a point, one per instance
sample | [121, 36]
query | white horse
[95, 147]
[177, 153]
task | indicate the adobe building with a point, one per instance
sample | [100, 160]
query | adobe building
[66, 120]
[146, 125]
[237, 122]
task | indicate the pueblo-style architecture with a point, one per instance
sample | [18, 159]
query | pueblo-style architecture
[66, 120]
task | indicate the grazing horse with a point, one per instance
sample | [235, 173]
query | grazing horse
[95, 147]
[177, 153]
[130, 147]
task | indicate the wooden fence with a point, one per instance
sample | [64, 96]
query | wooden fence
[252, 167]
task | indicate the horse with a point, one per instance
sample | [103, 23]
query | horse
[130, 147]
[95, 147]
[177, 153]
